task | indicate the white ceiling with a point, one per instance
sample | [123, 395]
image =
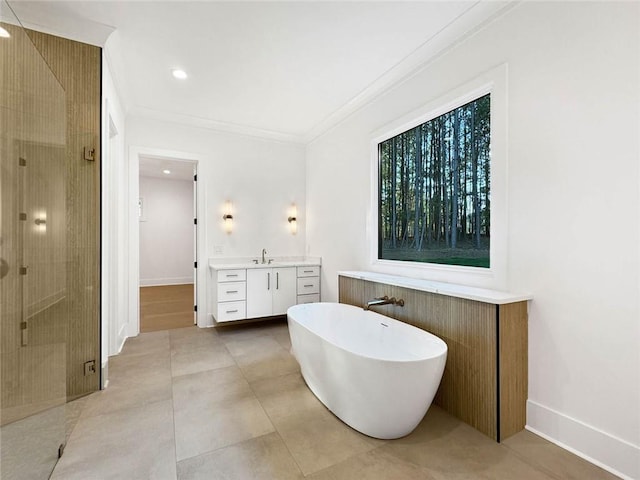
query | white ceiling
[286, 70]
[153, 167]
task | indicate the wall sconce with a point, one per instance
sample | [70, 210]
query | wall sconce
[41, 222]
[293, 219]
[228, 217]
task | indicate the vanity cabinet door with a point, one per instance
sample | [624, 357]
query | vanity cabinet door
[284, 289]
[260, 283]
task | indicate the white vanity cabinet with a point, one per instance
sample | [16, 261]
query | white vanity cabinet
[270, 291]
[240, 291]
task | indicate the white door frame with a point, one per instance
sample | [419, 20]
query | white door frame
[134, 231]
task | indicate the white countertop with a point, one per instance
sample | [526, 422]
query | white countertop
[232, 263]
[495, 297]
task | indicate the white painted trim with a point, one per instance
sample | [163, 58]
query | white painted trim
[494, 81]
[613, 454]
[159, 282]
[134, 232]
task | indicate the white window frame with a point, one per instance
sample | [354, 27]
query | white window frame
[494, 82]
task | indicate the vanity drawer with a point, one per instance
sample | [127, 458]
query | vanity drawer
[308, 271]
[309, 298]
[229, 311]
[308, 285]
[232, 291]
[232, 275]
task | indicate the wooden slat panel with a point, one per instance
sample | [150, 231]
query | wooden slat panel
[513, 368]
[77, 67]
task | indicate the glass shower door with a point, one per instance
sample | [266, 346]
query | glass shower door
[33, 258]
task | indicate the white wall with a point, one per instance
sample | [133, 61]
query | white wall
[572, 206]
[166, 232]
[261, 178]
[114, 216]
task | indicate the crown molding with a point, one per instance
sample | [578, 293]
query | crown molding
[216, 125]
[41, 18]
[459, 29]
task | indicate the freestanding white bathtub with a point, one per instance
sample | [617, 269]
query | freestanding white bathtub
[377, 374]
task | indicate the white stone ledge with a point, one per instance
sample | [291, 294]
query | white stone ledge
[495, 297]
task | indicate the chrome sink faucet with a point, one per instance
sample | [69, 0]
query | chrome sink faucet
[264, 252]
[384, 301]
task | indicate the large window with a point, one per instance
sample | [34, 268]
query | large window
[434, 189]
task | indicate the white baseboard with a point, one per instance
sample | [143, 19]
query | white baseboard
[158, 282]
[613, 454]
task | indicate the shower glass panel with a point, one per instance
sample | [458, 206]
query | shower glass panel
[33, 257]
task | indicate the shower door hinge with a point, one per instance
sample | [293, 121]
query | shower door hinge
[60, 450]
[22, 270]
[195, 178]
[24, 337]
[22, 162]
[195, 264]
[195, 221]
[195, 308]
[23, 216]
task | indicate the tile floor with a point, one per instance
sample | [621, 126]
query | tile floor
[230, 404]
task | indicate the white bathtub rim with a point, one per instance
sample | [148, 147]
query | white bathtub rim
[443, 349]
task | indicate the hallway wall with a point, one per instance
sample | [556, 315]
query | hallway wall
[166, 232]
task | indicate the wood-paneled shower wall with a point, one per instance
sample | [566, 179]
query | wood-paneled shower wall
[78, 68]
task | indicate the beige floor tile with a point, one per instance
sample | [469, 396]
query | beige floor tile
[285, 395]
[317, 439]
[185, 338]
[553, 460]
[131, 365]
[262, 357]
[129, 391]
[283, 339]
[450, 449]
[133, 443]
[141, 371]
[240, 347]
[231, 403]
[29, 447]
[250, 330]
[264, 458]
[373, 465]
[214, 409]
[146, 344]
[200, 358]
[261, 365]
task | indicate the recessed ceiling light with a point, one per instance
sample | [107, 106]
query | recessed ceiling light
[166, 172]
[4, 33]
[181, 74]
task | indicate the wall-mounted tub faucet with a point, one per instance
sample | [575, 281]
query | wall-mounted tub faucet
[384, 301]
[264, 252]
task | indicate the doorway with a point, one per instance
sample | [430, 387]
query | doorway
[167, 243]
